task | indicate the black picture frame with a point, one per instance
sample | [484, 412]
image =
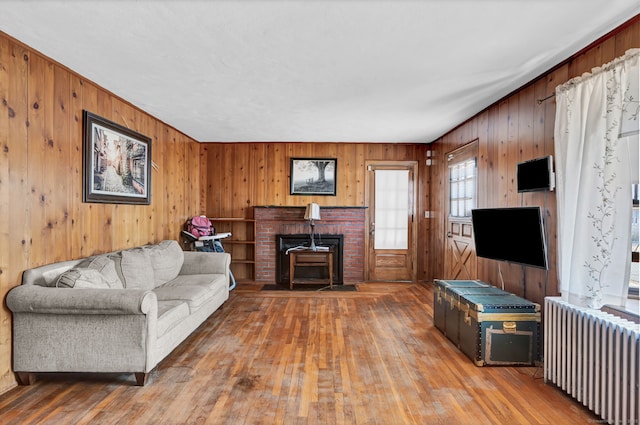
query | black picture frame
[116, 166]
[313, 176]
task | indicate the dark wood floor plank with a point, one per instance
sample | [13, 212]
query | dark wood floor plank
[366, 357]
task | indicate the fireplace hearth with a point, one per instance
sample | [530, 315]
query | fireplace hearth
[284, 242]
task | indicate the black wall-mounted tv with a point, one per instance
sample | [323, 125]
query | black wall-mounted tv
[536, 174]
[512, 234]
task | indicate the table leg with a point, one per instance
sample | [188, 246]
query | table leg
[331, 270]
[292, 268]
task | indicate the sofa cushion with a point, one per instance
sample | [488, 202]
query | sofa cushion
[209, 281]
[106, 266]
[170, 313]
[166, 260]
[47, 275]
[134, 268]
[194, 296]
[194, 293]
[82, 278]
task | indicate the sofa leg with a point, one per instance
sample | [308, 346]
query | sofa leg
[141, 378]
[25, 378]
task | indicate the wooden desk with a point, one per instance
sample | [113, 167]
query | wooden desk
[308, 258]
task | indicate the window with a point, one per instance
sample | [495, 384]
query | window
[392, 209]
[462, 188]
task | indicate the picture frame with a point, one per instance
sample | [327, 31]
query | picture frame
[313, 176]
[116, 166]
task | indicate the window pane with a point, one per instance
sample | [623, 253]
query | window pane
[454, 190]
[454, 173]
[392, 209]
[470, 188]
[462, 188]
[471, 168]
[469, 205]
[454, 208]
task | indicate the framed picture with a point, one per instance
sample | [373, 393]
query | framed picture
[116, 165]
[313, 176]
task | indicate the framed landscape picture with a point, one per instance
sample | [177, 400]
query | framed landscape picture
[313, 176]
[116, 163]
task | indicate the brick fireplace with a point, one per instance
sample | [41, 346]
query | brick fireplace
[274, 220]
[285, 242]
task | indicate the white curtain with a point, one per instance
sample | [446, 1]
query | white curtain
[593, 167]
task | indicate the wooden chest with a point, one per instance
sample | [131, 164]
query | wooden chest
[499, 329]
[440, 305]
[489, 325]
[454, 314]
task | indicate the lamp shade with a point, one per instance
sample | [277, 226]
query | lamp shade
[312, 212]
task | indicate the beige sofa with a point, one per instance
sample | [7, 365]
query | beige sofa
[118, 312]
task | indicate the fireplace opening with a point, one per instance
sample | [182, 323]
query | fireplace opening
[284, 242]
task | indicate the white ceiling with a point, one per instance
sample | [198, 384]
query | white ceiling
[315, 70]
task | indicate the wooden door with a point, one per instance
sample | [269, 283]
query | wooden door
[390, 188]
[460, 257]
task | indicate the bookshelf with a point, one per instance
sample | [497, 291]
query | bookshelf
[241, 244]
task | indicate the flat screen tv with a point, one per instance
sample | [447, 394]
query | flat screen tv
[512, 234]
[536, 174]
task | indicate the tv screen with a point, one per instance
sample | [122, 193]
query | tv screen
[536, 174]
[513, 234]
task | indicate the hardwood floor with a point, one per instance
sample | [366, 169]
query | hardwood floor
[366, 357]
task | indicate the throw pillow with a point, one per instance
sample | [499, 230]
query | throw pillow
[134, 268]
[166, 259]
[82, 278]
[106, 266]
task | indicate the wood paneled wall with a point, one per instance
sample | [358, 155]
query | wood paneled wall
[516, 129]
[240, 176]
[42, 218]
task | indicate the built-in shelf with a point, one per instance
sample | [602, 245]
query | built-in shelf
[241, 244]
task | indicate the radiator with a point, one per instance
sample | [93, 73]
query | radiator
[593, 357]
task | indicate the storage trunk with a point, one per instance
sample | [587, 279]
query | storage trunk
[440, 305]
[499, 329]
[454, 315]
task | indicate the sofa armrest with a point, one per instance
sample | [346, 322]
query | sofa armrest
[46, 300]
[198, 262]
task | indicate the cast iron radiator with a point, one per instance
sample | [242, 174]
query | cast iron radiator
[593, 357]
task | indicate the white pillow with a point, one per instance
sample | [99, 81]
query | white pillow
[134, 268]
[106, 266]
[166, 259]
[82, 278]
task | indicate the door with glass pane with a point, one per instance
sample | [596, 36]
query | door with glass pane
[392, 227]
[460, 257]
